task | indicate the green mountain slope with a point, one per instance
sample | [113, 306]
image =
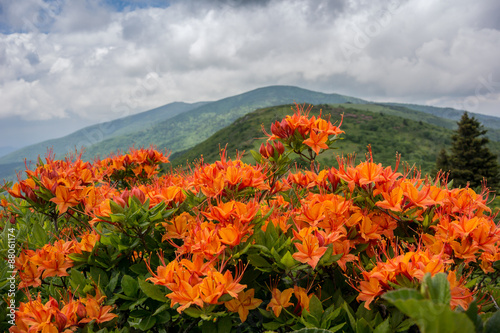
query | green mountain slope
[418, 142]
[190, 128]
[93, 134]
[450, 113]
[452, 116]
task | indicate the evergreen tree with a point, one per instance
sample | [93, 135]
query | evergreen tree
[470, 160]
[442, 161]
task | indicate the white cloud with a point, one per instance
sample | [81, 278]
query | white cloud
[82, 57]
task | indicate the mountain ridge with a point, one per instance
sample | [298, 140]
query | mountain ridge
[188, 124]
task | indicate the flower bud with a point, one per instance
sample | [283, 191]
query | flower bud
[270, 149]
[61, 321]
[138, 194]
[279, 147]
[263, 151]
[81, 311]
[320, 237]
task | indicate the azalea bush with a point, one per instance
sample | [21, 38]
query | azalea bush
[114, 246]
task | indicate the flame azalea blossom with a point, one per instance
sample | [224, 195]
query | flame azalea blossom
[280, 300]
[317, 141]
[34, 316]
[243, 303]
[64, 199]
[309, 251]
[411, 265]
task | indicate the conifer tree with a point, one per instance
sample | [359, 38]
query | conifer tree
[470, 160]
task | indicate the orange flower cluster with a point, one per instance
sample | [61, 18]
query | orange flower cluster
[196, 282]
[228, 176]
[142, 162]
[281, 299]
[34, 316]
[314, 131]
[412, 266]
[51, 260]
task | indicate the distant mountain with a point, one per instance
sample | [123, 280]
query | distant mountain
[388, 131]
[178, 127]
[453, 114]
[6, 150]
[190, 128]
[91, 135]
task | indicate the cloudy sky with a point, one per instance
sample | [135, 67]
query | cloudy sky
[96, 60]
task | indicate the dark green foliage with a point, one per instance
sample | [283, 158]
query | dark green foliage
[470, 161]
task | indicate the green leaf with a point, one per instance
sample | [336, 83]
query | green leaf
[129, 285]
[139, 268]
[336, 328]
[163, 317]
[224, 325]
[438, 288]
[161, 309]
[493, 324]
[193, 312]
[152, 291]
[99, 276]
[434, 318]
[115, 208]
[256, 156]
[350, 314]
[113, 282]
[383, 327]
[258, 261]
[362, 326]
[272, 325]
[208, 327]
[147, 323]
[402, 294]
[287, 260]
[472, 313]
[315, 307]
[77, 280]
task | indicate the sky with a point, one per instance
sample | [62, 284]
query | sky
[65, 64]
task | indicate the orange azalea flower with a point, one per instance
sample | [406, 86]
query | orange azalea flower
[30, 276]
[280, 300]
[309, 251]
[211, 287]
[55, 264]
[64, 199]
[243, 303]
[466, 249]
[460, 295]
[186, 295]
[88, 241]
[38, 316]
[392, 200]
[230, 236]
[317, 141]
[301, 295]
[328, 127]
[464, 226]
[369, 172]
[178, 227]
[95, 311]
[419, 198]
[369, 290]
